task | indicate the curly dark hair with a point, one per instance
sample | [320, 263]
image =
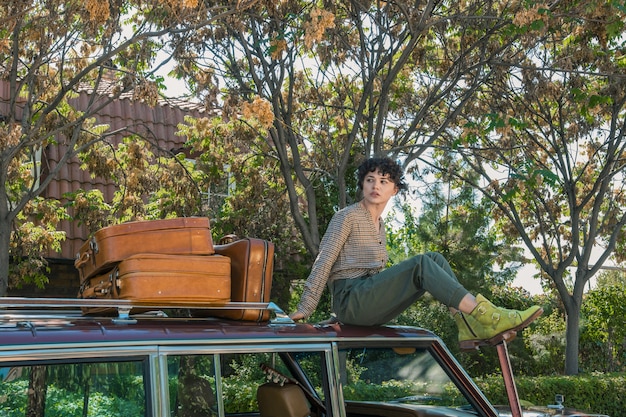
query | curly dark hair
[386, 166]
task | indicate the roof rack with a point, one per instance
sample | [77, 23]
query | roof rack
[27, 307]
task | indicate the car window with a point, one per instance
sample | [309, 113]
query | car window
[192, 389]
[112, 388]
[242, 374]
[192, 382]
[403, 375]
[313, 367]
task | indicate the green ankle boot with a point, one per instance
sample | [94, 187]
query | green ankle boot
[494, 324]
[472, 334]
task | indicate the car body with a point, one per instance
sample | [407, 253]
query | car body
[552, 410]
[55, 361]
[556, 409]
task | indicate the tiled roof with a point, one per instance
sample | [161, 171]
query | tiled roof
[159, 123]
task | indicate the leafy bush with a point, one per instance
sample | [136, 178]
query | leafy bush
[363, 391]
[240, 395]
[603, 329]
[598, 393]
[13, 398]
[61, 401]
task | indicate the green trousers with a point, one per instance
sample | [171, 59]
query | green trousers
[377, 299]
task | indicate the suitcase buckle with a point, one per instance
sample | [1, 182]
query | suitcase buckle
[93, 246]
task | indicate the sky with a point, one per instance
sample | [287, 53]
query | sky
[525, 279]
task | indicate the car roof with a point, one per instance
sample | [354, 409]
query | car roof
[49, 326]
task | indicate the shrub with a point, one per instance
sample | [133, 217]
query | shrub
[598, 393]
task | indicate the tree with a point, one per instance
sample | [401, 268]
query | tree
[345, 80]
[147, 185]
[235, 159]
[455, 221]
[245, 189]
[604, 327]
[546, 137]
[612, 277]
[50, 52]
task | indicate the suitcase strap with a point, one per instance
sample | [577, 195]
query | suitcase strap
[102, 288]
[97, 291]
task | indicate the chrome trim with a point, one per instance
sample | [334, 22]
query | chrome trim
[256, 348]
[18, 307]
[280, 317]
[335, 387]
[17, 303]
[72, 352]
[231, 342]
[219, 393]
[162, 395]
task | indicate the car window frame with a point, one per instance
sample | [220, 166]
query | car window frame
[325, 348]
[441, 354]
[70, 357]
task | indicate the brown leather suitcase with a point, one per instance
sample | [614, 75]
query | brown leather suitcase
[109, 245]
[252, 266]
[155, 278]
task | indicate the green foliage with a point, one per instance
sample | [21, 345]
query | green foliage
[241, 395]
[323, 310]
[247, 189]
[13, 399]
[455, 223]
[90, 208]
[99, 405]
[597, 393]
[603, 334]
[546, 342]
[611, 278]
[432, 315]
[364, 391]
[67, 402]
[241, 378]
[33, 235]
[150, 184]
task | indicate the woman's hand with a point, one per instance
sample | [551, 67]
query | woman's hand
[296, 316]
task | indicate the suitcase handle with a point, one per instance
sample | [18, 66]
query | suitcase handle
[82, 260]
[226, 239]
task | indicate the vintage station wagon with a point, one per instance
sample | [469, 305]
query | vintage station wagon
[166, 361]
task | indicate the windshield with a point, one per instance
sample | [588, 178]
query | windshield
[397, 375]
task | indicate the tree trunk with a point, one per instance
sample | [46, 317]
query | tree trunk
[37, 392]
[572, 338]
[5, 236]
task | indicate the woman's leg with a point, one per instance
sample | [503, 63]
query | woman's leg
[379, 298]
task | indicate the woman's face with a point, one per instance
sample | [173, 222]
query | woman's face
[378, 188]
